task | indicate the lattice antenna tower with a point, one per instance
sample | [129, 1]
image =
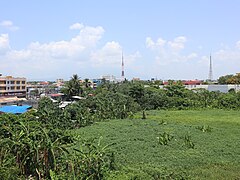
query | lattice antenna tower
[122, 67]
[210, 75]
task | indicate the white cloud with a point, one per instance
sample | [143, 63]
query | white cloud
[86, 39]
[167, 51]
[224, 61]
[160, 42]
[155, 45]
[4, 43]
[178, 43]
[192, 55]
[109, 54]
[9, 25]
[150, 43]
[81, 54]
[56, 57]
[238, 44]
[76, 26]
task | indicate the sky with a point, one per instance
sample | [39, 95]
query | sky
[46, 40]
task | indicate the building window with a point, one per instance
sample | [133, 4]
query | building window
[18, 87]
[23, 82]
[8, 82]
[18, 82]
[23, 87]
[12, 82]
[2, 82]
[2, 88]
[8, 88]
[12, 87]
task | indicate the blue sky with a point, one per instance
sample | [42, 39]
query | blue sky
[46, 40]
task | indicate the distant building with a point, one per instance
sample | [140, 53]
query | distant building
[109, 78]
[12, 86]
[59, 81]
[187, 82]
[136, 79]
[11, 101]
[215, 87]
[44, 83]
[192, 82]
[96, 83]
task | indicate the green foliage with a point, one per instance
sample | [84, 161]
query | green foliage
[204, 128]
[72, 87]
[50, 114]
[138, 155]
[92, 160]
[229, 101]
[137, 92]
[78, 114]
[36, 145]
[225, 79]
[144, 115]
[114, 105]
[229, 79]
[188, 141]
[30, 150]
[175, 89]
[164, 138]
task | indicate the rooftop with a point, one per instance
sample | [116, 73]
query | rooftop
[15, 109]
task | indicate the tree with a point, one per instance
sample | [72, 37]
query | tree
[137, 91]
[175, 89]
[72, 87]
[224, 79]
[234, 79]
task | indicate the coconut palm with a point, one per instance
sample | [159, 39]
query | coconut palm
[72, 87]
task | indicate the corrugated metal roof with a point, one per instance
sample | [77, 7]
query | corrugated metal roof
[15, 109]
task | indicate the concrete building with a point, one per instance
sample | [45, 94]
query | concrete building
[109, 78]
[224, 88]
[215, 87]
[59, 81]
[12, 86]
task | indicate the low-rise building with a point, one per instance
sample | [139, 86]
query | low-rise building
[109, 78]
[12, 86]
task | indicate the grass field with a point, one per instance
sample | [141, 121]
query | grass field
[203, 144]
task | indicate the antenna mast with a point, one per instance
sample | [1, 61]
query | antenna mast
[210, 76]
[122, 68]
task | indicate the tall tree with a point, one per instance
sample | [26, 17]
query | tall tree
[73, 87]
[224, 79]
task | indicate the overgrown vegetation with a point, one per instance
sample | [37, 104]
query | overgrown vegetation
[188, 154]
[32, 148]
[40, 144]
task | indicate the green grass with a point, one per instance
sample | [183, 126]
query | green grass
[139, 155]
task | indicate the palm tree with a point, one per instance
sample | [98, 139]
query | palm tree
[73, 87]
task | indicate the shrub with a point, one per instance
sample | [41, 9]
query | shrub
[164, 138]
[188, 141]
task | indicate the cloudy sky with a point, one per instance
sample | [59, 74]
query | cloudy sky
[45, 40]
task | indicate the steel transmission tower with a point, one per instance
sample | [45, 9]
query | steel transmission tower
[122, 68]
[210, 76]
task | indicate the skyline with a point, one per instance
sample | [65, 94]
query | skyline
[168, 40]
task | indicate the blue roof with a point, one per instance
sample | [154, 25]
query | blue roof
[15, 109]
